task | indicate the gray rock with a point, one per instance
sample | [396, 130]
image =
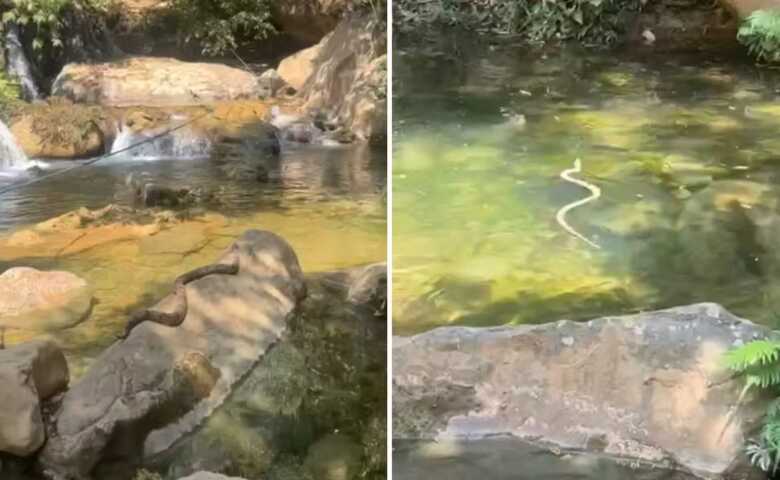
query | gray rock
[648, 389]
[146, 392]
[31, 299]
[29, 373]
[271, 84]
[369, 288]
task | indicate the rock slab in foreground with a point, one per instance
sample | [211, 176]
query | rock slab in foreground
[31, 299]
[647, 388]
[153, 81]
[145, 392]
[29, 373]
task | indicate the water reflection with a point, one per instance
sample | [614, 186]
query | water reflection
[682, 147]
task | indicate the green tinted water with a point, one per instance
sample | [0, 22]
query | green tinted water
[683, 147]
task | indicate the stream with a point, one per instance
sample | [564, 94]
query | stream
[328, 203]
[682, 146]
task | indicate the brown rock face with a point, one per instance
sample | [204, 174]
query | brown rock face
[29, 373]
[349, 77]
[297, 68]
[648, 388]
[31, 299]
[153, 81]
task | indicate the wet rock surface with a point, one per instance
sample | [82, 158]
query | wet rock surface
[29, 373]
[648, 389]
[147, 391]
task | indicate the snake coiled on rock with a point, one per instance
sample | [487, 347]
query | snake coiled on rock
[176, 317]
[595, 193]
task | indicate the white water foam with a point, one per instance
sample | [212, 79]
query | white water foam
[11, 156]
[179, 144]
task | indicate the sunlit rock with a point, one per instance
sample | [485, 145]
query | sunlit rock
[41, 301]
[648, 389]
[160, 382]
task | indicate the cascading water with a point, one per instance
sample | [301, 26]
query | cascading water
[11, 156]
[184, 143]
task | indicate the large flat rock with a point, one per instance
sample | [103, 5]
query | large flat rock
[647, 388]
[146, 392]
[153, 81]
[29, 373]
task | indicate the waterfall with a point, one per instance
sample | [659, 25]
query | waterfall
[11, 156]
[184, 143]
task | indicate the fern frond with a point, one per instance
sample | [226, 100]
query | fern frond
[757, 353]
[765, 376]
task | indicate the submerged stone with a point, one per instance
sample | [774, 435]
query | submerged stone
[36, 300]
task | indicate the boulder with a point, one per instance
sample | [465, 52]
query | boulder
[59, 129]
[368, 288]
[298, 67]
[29, 373]
[147, 391]
[153, 81]
[36, 300]
[648, 390]
[349, 78]
[272, 84]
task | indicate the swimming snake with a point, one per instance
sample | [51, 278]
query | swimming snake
[595, 193]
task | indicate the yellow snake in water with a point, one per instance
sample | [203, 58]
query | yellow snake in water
[595, 193]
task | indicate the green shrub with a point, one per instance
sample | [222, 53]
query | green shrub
[758, 362]
[221, 26]
[43, 15]
[9, 95]
[760, 32]
[597, 22]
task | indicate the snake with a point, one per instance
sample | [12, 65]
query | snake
[176, 317]
[595, 193]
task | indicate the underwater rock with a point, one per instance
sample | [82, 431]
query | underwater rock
[334, 457]
[136, 399]
[37, 300]
[648, 390]
[29, 373]
[153, 81]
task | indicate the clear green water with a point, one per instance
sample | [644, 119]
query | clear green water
[684, 148]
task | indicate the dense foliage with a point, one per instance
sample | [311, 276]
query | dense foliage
[597, 22]
[43, 15]
[758, 362]
[760, 32]
[221, 26]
